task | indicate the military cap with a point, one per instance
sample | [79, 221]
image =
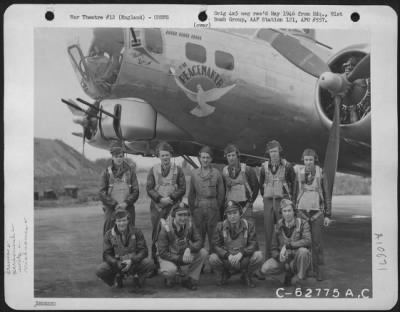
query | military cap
[116, 148]
[180, 207]
[120, 213]
[232, 205]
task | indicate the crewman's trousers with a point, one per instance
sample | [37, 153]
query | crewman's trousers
[298, 265]
[108, 272]
[169, 269]
[205, 217]
[316, 238]
[219, 264]
[271, 216]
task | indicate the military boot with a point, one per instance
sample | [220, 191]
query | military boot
[118, 283]
[189, 284]
[259, 275]
[297, 282]
[141, 280]
[246, 279]
[319, 274]
[287, 279]
[168, 283]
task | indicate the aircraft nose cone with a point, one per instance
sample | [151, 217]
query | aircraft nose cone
[331, 82]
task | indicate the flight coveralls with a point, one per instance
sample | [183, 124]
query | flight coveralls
[118, 247]
[241, 185]
[276, 183]
[297, 239]
[162, 182]
[310, 191]
[206, 197]
[171, 245]
[118, 185]
[230, 241]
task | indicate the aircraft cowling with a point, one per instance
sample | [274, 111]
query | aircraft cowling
[138, 121]
[355, 123]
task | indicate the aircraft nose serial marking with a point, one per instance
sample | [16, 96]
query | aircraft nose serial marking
[201, 97]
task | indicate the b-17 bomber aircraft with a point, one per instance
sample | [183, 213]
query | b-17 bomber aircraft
[218, 86]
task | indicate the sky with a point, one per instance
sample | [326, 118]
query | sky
[56, 79]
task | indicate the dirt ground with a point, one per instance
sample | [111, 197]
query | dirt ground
[68, 247]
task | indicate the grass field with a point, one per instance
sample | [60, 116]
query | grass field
[68, 247]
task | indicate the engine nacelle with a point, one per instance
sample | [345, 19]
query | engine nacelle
[138, 121]
[355, 110]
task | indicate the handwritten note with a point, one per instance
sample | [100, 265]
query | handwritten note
[380, 251]
[17, 250]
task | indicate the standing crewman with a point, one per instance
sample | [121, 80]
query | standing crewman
[235, 247]
[276, 180]
[206, 195]
[119, 187]
[313, 203]
[166, 186]
[179, 248]
[291, 240]
[241, 181]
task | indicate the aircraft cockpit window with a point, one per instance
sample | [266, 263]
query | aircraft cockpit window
[267, 34]
[153, 40]
[195, 52]
[77, 60]
[224, 60]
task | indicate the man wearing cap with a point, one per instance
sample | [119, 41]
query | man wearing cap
[235, 247]
[180, 249]
[124, 253]
[313, 203]
[291, 240]
[119, 187]
[206, 195]
[276, 180]
[241, 181]
[166, 186]
[351, 111]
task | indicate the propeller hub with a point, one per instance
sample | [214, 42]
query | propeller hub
[334, 83]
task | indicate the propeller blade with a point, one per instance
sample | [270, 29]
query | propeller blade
[301, 56]
[78, 134]
[361, 70]
[97, 108]
[134, 36]
[83, 147]
[332, 149]
[83, 155]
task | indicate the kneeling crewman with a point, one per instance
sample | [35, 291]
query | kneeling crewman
[179, 247]
[290, 243]
[125, 253]
[235, 247]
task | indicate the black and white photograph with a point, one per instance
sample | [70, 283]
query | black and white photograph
[176, 162]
